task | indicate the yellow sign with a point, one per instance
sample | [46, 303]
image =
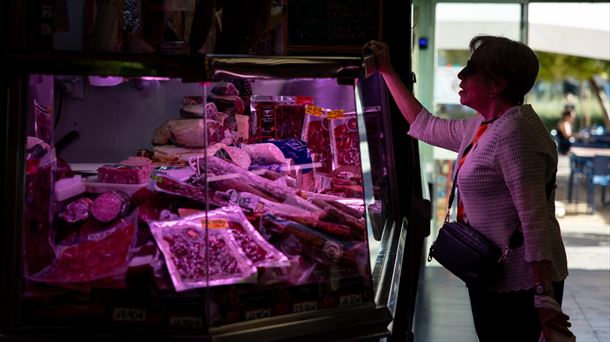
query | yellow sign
[314, 110]
[216, 224]
[335, 114]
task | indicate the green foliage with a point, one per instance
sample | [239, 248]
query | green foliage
[555, 67]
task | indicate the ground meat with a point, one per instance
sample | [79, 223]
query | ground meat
[187, 250]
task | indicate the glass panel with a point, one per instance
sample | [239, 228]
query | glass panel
[290, 196]
[97, 157]
[157, 203]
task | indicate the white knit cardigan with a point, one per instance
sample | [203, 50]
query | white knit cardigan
[502, 186]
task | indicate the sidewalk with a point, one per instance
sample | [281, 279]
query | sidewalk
[443, 308]
[587, 241]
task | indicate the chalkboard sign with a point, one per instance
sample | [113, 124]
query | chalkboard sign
[332, 24]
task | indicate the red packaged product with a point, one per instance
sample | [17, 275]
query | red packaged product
[290, 115]
[345, 140]
[101, 255]
[263, 123]
[316, 132]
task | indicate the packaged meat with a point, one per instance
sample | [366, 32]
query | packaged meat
[236, 155]
[164, 180]
[315, 244]
[290, 115]
[192, 107]
[77, 210]
[68, 187]
[296, 150]
[226, 98]
[38, 214]
[125, 174]
[243, 128]
[252, 244]
[109, 206]
[192, 264]
[316, 133]
[263, 120]
[345, 140]
[264, 153]
[189, 133]
[99, 256]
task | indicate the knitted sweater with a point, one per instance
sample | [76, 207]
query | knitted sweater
[502, 186]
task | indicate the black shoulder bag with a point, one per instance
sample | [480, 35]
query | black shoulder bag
[467, 253]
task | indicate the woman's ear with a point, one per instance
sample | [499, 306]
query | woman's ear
[498, 86]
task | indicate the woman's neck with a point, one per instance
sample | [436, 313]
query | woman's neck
[495, 109]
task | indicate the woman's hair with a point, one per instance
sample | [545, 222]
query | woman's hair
[567, 113]
[503, 58]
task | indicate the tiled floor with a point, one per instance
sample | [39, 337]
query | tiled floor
[443, 309]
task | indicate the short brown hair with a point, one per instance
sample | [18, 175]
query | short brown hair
[500, 57]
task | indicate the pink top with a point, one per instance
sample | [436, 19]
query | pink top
[502, 186]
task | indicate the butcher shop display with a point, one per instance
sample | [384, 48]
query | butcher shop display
[255, 201]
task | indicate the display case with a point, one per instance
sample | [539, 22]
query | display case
[216, 197]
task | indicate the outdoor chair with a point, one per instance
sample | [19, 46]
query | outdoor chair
[577, 165]
[597, 172]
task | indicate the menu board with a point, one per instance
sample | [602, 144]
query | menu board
[332, 25]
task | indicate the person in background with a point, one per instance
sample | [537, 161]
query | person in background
[502, 184]
[564, 129]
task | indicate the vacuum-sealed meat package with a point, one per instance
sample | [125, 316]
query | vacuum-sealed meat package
[263, 121]
[101, 255]
[191, 263]
[345, 140]
[251, 242]
[290, 115]
[316, 132]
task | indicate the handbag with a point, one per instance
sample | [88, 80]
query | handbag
[464, 251]
[467, 253]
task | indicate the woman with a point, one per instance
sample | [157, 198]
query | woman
[502, 185]
[564, 129]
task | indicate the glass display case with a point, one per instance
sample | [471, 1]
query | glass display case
[225, 197]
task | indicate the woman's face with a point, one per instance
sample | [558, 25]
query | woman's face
[476, 87]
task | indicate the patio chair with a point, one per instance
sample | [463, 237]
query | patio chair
[577, 165]
[597, 172]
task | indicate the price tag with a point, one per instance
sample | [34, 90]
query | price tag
[350, 299]
[187, 322]
[304, 306]
[128, 315]
[335, 114]
[256, 314]
[314, 110]
[216, 224]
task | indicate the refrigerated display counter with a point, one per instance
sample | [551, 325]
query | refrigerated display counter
[209, 197]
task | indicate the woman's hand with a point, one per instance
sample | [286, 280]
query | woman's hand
[555, 324]
[382, 55]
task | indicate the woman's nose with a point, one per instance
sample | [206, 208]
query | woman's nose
[461, 74]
